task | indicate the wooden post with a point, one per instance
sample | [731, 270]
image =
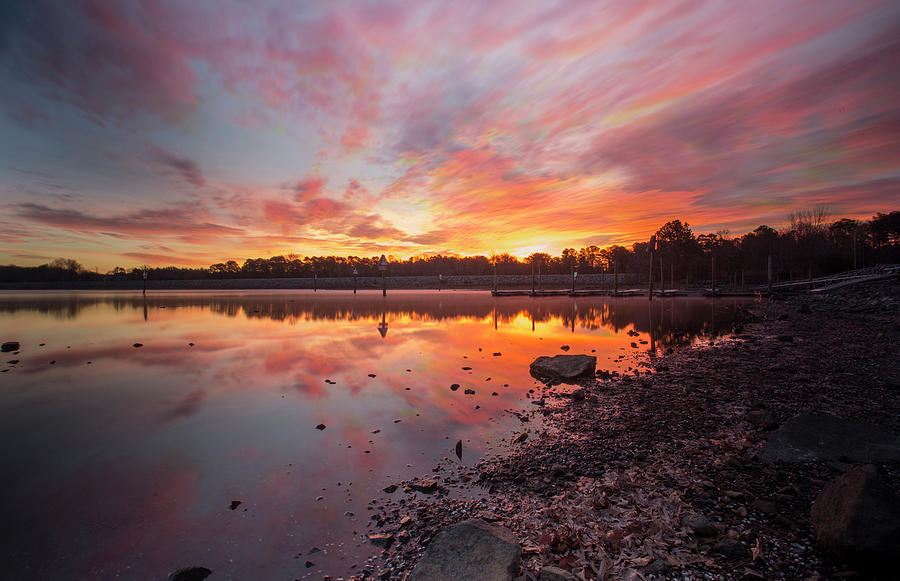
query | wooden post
[383, 266]
[573, 278]
[315, 282]
[713, 275]
[495, 275]
[650, 294]
[770, 273]
[532, 277]
[672, 276]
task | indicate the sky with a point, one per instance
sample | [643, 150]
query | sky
[189, 133]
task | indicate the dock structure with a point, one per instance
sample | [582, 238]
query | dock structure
[824, 283]
[578, 293]
[724, 293]
[810, 285]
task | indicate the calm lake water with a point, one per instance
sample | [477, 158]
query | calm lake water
[121, 462]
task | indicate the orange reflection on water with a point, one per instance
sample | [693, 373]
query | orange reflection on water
[232, 416]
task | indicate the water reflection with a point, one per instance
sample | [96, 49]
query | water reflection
[669, 322]
[127, 466]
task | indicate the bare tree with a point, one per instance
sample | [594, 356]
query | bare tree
[809, 221]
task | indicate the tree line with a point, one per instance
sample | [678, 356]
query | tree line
[811, 246]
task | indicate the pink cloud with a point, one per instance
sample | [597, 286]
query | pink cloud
[178, 222]
[89, 52]
[309, 188]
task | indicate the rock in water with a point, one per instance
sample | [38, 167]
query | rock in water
[10, 346]
[190, 574]
[473, 549]
[425, 486]
[382, 540]
[561, 367]
[811, 438]
[857, 516]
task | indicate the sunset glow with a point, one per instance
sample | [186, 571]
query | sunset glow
[189, 133]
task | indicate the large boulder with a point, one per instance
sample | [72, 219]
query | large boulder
[857, 516]
[812, 437]
[563, 367]
[472, 549]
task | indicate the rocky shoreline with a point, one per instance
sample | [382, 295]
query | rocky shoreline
[658, 474]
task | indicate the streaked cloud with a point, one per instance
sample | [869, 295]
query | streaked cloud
[230, 129]
[175, 222]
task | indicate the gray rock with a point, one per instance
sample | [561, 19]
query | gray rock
[730, 549]
[857, 516]
[562, 367]
[762, 419]
[472, 549]
[764, 506]
[702, 526]
[381, 540]
[555, 574]
[426, 486]
[812, 438]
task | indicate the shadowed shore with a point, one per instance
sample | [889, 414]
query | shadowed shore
[662, 475]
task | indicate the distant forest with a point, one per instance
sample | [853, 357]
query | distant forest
[811, 246]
